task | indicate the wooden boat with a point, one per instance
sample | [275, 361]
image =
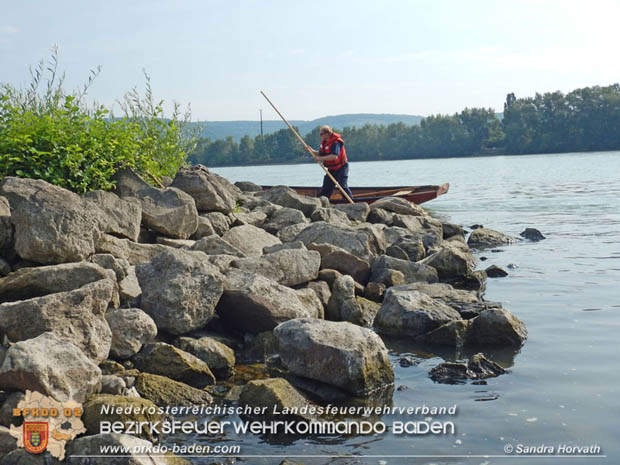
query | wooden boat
[415, 194]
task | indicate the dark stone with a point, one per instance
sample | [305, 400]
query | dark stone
[532, 234]
[477, 367]
[495, 271]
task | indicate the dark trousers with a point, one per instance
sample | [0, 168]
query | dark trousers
[342, 176]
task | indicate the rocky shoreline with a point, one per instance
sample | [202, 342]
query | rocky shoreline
[207, 292]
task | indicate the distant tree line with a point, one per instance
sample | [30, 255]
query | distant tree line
[585, 119]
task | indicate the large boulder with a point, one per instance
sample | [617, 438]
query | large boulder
[179, 290]
[219, 222]
[330, 215]
[337, 353]
[336, 258]
[282, 218]
[131, 329]
[484, 237]
[164, 359]
[163, 391]
[355, 211]
[252, 303]
[289, 233]
[467, 303]
[272, 393]
[353, 241]
[413, 272]
[121, 217]
[27, 283]
[289, 267]
[497, 326]
[219, 357]
[76, 316]
[250, 239]
[210, 191]
[411, 313]
[287, 197]
[450, 262]
[51, 366]
[52, 225]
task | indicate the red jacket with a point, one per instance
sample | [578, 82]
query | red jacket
[326, 149]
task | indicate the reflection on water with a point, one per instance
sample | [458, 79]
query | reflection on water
[561, 386]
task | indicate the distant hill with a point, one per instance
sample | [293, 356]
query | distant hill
[237, 129]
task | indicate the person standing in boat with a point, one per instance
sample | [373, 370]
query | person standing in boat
[334, 157]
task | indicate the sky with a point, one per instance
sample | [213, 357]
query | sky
[314, 58]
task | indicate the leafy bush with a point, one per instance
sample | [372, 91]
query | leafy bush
[57, 136]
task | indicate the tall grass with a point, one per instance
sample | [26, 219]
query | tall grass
[49, 133]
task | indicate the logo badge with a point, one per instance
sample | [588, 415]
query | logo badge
[35, 436]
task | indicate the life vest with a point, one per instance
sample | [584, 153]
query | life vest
[326, 149]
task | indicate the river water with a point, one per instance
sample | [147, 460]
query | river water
[563, 384]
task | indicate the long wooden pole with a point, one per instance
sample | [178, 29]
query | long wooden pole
[309, 149]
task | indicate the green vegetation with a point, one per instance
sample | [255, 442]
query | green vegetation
[586, 119]
[51, 134]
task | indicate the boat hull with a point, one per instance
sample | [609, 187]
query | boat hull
[415, 194]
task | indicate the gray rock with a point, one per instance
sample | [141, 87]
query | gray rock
[219, 222]
[374, 291]
[250, 239]
[175, 243]
[252, 303]
[329, 276]
[215, 245]
[210, 191]
[52, 225]
[477, 367]
[260, 347]
[411, 313]
[76, 316]
[310, 300]
[131, 329]
[256, 203]
[412, 247]
[423, 228]
[413, 272]
[166, 392]
[451, 230]
[483, 237]
[6, 411]
[287, 197]
[179, 290]
[255, 218]
[204, 229]
[121, 217]
[219, 357]
[337, 353]
[28, 283]
[466, 303]
[5, 268]
[247, 186]
[330, 215]
[112, 384]
[532, 234]
[322, 291]
[274, 393]
[166, 360]
[376, 236]
[388, 277]
[282, 218]
[381, 216]
[6, 228]
[221, 261]
[289, 267]
[52, 366]
[110, 262]
[495, 271]
[497, 327]
[169, 211]
[344, 305]
[396, 252]
[125, 249]
[336, 258]
[353, 241]
[284, 246]
[398, 205]
[289, 233]
[451, 262]
[354, 211]
[454, 333]
[129, 288]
